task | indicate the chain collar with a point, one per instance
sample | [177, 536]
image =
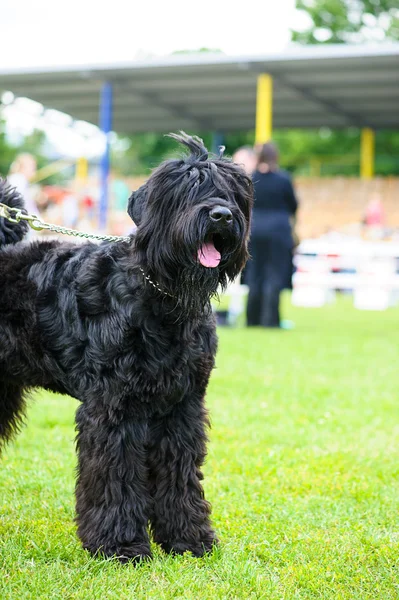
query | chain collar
[154, 284]
[15, 215]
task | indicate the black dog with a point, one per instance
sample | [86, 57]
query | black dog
[127, 329]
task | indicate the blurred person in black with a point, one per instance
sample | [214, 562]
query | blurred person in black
[247, 158]
[271, 239]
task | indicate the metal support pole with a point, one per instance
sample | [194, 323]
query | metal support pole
[217, 141]
[105, 126]
[82, 169]
[367, 151]
[264, 109]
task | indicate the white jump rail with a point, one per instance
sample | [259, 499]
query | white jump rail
[369, 269]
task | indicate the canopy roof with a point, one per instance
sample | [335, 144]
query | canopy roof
[334, 86]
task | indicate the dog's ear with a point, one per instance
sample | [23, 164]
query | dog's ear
[137, 203]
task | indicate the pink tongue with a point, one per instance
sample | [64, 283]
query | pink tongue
[208, 255]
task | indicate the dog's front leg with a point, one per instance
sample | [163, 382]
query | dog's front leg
[112, 499]
[177, 448]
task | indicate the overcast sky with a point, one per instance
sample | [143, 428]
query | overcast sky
[47, 32]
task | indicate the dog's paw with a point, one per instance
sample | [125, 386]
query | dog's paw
[197, 548]
[132, 553]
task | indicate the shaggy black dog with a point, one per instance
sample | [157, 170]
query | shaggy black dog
[127, 329]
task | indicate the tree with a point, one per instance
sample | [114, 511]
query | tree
[329, 152]
[7, 153]
[343, 21]
[348, 21]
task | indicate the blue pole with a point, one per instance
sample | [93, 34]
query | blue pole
[105, 126]
[217, 141]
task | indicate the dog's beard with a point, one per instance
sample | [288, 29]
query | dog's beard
[194, 288]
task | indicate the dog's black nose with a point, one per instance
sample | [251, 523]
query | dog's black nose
[221, 214]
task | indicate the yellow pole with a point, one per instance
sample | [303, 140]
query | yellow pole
[367, 150]
[82, 169]
[264, 109]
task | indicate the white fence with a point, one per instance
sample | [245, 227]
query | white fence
[369, 270]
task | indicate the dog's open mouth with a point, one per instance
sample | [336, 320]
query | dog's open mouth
[210, 253]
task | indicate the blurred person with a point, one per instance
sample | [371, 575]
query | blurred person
[88, 206]
[40, 197]
[271, 239]
[70, 209]
[374, 218]
[119, 192]
[246, 157]
[374, 212]
[22, 172]
[119, 198]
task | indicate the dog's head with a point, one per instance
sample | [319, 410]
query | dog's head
[193, 220]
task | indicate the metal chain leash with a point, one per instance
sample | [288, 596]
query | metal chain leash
[15, 215]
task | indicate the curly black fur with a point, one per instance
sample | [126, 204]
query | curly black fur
[11, 233]
[83, 320]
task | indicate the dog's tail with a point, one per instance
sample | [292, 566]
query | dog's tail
[11, 233]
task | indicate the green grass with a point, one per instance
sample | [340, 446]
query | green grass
[302, 472]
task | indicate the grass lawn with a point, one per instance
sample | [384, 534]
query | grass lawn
[302, 472]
